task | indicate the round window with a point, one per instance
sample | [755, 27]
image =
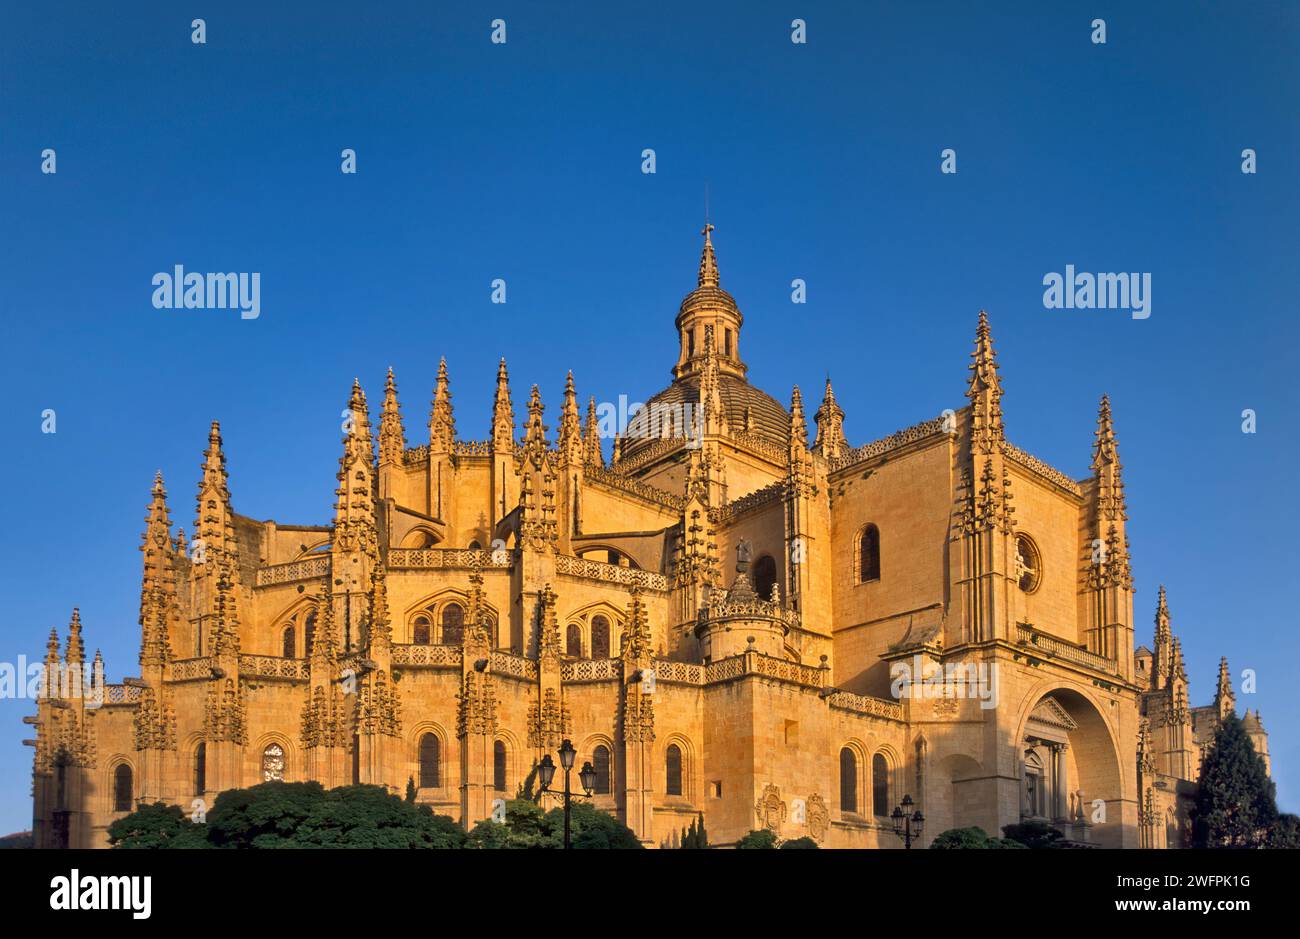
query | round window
[1029, 564]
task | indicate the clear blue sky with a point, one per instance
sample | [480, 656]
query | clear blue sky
[522, 161]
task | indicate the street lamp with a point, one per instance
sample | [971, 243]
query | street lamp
[546, 774]
[907, 824]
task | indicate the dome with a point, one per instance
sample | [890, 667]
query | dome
[768, 419]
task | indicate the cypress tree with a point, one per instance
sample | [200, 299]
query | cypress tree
[1235, 802]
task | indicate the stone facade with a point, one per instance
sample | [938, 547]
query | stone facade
[721, 620]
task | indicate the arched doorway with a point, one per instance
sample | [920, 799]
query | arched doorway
[1069, 769]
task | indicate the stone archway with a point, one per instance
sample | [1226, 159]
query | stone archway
[960, 796]
[1070, 770]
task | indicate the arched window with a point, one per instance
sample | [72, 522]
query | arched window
[420, 631]
[848, 781]
[123, 794]
[764, 576]
[879, 785]
[499, 766]
[453, 624]
[869, 554]
[430, 762]
[600, 763]
[573, 642]
[475, 546]
[287, 644]
[201, 769]
[309, 634]
[673, 770]
[599, 637]
[273, 763]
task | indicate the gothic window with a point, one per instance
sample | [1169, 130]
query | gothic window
[123, 796]
[726, 344]
[764, 576]
[287, 644]
[600, 763]
[201, 769]
[430, 762]
[273, 763]
[673, 770]
[309, 634]
[420, 631]
[1029, 564]
[573, 641]
[453, 624]
[879, 785]
[848, 781]
[599, 637]
[499, 766]
[869, 555]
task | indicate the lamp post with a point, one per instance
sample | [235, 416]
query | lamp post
[907, 823]
[546, 774]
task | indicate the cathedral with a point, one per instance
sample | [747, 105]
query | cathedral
[728, 619]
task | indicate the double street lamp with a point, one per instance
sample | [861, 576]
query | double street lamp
[586, 775]
[907, 823]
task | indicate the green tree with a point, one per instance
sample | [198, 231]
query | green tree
[157, 825]
[527, 826]
[366, 816]
[410, 789]
[1035, 835]
[268, 815]
[1235, 802]
[804, 843]
[695, 836]
[1286, 833]
[760, 838]
[971, 838]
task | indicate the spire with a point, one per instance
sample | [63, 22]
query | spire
[1225, 702]
[571, 442]
[442, 426]
[50, 683]
[76, 651]
[708, 260]
[158, 584]
[535, 430]
[985, 392]
[392, 438]
[798, 423]
[214, 524]
[830, 441]
[591, 437]
[503, 413]
[1162, 659]
[713, 421]
[1179, 670]
[354, 506]
[155, 543]
[1106, 466]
